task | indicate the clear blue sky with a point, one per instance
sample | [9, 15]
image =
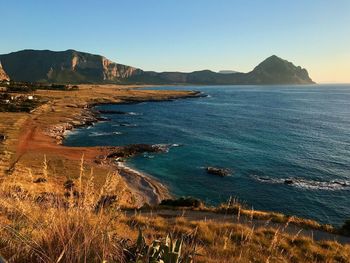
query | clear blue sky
[187, 35]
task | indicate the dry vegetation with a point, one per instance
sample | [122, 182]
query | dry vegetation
[236, 208]
[86, 224]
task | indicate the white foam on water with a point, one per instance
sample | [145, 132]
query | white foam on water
[332, 185]
[97, 134]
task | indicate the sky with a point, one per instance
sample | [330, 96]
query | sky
[188, 35]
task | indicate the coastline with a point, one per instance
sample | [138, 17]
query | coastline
[42, 132]
[34, 144]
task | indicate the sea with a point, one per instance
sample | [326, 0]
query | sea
[287, 147]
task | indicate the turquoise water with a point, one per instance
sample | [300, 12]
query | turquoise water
[264, 134]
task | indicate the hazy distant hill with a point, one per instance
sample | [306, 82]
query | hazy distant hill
[275, 70]
[227, 71]
[78, 67]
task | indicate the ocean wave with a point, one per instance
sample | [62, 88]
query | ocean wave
[109, 112]
[96, 134]
[134, 113]
[124, 124]
[332, 185]
[128, 125]
[147, 155]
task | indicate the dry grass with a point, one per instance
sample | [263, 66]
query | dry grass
[234, 207]
[86, 225]
[52, 227]
[233, 242]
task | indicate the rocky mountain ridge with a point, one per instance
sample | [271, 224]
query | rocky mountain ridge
[63, 66]
[72, 66]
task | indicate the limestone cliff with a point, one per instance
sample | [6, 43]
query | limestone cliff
[68, 66]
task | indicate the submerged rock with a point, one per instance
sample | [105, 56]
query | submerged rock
[218, 171]
[147, 155]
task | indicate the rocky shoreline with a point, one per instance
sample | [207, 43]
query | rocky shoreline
[89, 115]
[59, 131]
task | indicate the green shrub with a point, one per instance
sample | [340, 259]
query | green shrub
[345, 229]
[182, 202]
[166, 251]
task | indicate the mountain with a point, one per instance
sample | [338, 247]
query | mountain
[72, 66]
[275, 70]
[272, 70]
[63, 66]
[3, 74]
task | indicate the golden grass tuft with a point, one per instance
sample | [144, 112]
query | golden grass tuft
[47, 227]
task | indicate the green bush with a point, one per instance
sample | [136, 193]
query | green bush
[167, 251]
[182, 202]
[345, 229]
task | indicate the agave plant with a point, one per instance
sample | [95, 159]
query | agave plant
[2, 260]
[167, 251]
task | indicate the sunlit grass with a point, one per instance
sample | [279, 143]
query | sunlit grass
[80, 223]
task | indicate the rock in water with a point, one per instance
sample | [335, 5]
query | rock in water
[218, 171]
[288, 181]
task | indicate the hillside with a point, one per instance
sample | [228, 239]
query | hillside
[72, 66]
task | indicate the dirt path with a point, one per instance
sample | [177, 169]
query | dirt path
[25, 137]
[291, 229]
